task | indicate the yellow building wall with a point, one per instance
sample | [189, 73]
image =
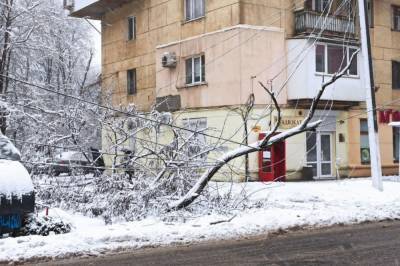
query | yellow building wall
[232, 57]
[158, 22]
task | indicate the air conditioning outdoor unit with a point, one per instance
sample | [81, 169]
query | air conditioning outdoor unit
[169, 59]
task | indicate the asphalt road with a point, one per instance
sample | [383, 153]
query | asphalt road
[368, 244]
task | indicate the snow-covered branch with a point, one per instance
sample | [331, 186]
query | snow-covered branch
[269, 140]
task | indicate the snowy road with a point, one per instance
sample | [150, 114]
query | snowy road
[368, 244]
[271, 208]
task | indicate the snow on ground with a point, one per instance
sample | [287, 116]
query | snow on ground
[285, 205]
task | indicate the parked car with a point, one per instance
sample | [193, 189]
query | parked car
[76, 162]
[17, 197]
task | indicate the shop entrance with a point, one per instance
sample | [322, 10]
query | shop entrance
[272, 162]
[320, 154]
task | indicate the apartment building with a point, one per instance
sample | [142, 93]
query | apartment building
[201, 59]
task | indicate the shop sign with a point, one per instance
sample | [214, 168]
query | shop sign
[387, 116]
[289, 122]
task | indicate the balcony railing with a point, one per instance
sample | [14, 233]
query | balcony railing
[308, 22]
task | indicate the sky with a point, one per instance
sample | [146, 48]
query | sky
[96, 36]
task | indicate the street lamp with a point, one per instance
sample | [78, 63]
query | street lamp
[397, 125]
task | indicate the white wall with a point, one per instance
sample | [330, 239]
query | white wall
[305, 82]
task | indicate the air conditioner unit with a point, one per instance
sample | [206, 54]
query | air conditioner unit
[169, 59]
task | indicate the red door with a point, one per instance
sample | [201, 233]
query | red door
[272, 162]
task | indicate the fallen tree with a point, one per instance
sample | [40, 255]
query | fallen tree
[269, 140]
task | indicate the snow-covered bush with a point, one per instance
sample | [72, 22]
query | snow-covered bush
[44, 226]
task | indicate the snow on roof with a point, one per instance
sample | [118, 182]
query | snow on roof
[71, 156]
[14, 178]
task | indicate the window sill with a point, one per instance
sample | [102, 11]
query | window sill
[331, 75]
[192, 20]
[186, 86]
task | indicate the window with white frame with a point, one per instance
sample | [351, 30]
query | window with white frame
[195, 70]
[131, 28]
[197, 141]
[194, 9]
[332, 58]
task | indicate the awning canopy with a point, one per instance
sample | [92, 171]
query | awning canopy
[98, 8]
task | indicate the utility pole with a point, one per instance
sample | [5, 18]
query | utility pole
[376, 167]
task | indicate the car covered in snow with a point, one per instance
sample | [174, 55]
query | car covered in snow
[17, 197]
[77, 162]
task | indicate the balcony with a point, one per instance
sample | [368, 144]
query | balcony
[309, 22]
[305, 82]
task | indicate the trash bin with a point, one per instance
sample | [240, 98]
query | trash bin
[17, 198]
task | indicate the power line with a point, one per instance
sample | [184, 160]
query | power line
[129, 114]
[160, 88]
[120, 111]
[362, 113]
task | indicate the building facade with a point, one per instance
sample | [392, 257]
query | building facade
[202, 59]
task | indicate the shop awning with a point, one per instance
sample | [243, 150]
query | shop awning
[98, 8]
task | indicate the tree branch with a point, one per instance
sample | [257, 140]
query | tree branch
[269, 140]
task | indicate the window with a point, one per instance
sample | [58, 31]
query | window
[131, 81]
[396, 135]
[195, 70]
[197, 142]
[131, 28]
[395, 75]
[194, 9]
[344, 8]
[320, 58]
[396, 18]
[330, 59]
[336, 58]
[364, 142]
[320, 5]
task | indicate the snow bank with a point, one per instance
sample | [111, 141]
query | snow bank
[275, 206]
[14, 178]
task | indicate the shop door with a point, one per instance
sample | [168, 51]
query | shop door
[272, 162]
[320, 154]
